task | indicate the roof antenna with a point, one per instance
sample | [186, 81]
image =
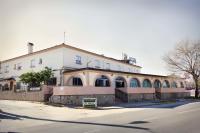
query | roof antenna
[64, 38]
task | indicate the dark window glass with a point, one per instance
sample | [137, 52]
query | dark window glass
[147, 83]
[77, 82]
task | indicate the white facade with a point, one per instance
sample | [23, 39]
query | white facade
[59, 57]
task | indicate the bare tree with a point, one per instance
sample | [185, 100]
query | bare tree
[185, 58]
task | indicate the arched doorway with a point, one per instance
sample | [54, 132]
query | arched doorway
[11, 85]
[120, 82]
[157, 86]
[102, 81]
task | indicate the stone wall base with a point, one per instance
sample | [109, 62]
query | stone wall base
[103, 99]
[168, 96]
[141, 97]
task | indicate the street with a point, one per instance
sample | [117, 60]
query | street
[181, 117]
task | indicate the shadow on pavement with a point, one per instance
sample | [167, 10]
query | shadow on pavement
[163, 104]
[7, 116]
[139, 122]
[70, 122]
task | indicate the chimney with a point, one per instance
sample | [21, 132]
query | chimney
[30, 47]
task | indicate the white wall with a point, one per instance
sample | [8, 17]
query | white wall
[70, 61]
[57, 58]
[52, 59]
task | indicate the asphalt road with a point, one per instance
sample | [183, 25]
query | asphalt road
[169, 118]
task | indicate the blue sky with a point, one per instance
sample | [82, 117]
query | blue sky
[144, 29]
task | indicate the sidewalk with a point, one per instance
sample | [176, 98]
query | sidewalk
[20, 114]
[16, 115]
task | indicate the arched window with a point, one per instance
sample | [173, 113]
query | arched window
[166, 84]
[103, 81]
[6, 87]
[181, 84]
[74, 81]
[77, 81]
[174, 85]
[120, 82]
[134, 83]
[157, 84]
[146, 83]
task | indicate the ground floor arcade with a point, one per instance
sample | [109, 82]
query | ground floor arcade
[111, 86]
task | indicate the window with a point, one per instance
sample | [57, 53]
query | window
[6, 69]
[122, 68]
[77, 81]
[15, 66]
[181, 84]
[18, 85]
[52, 81]
[134, 83]
[78, 60]
[157, 84]
[97, 64]
[32, 63]
[119, 67]
[166, 84]
[40, 61]
[19, 66]
[107, 66]
[174, 85]
[120, 82]
[102, 82]
[6, 87]
[146, 83]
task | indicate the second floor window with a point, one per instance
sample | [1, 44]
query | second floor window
[78, 60]
[119, 68]
[7, 69]
[19, 66]
[97, 64]
[32, 63]
[40, 61]
[15, 66]
[107, 66]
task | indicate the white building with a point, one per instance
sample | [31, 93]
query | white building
[61, 58]
[79, 73]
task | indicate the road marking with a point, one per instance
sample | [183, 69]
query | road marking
[92, 131]
[187, 111]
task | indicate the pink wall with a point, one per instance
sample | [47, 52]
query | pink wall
[89, 90]
[137, 90]
[47, 89]
[83, 90]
